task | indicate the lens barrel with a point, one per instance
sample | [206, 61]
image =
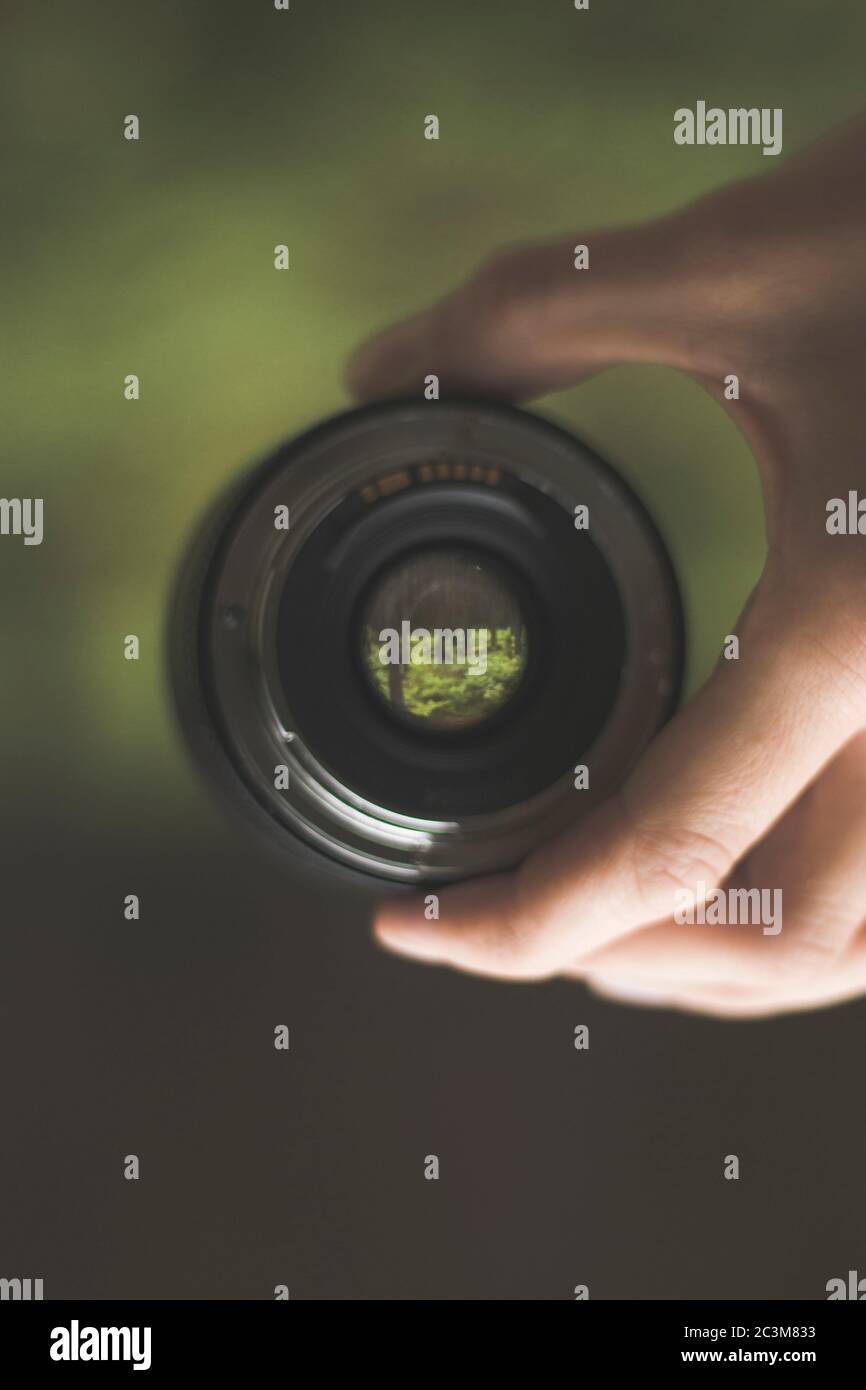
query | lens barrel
[410, 630]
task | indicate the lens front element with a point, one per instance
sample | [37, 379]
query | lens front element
[443, 640]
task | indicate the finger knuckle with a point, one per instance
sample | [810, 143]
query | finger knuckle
[815, 945]
[521, 955]
[669, 859]
[504, 289]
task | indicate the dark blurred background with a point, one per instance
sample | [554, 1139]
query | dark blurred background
[155, 1037]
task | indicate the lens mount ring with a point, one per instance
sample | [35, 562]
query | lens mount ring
[372, 456]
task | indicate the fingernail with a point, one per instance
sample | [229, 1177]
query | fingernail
[408, 942]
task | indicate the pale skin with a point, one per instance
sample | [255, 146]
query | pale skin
[760, 780]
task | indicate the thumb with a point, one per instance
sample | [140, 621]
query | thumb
[721, 773]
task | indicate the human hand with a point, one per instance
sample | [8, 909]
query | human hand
[760, 781]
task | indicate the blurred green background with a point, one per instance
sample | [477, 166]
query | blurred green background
[260, 127]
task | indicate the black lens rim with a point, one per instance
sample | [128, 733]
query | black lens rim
[555, 717]
[228, 693]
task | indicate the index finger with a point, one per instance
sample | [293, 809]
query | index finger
[530, 321]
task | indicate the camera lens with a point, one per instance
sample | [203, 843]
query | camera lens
[422, 638]
[443, 639]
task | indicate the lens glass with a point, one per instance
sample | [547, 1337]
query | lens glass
[443, 640]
